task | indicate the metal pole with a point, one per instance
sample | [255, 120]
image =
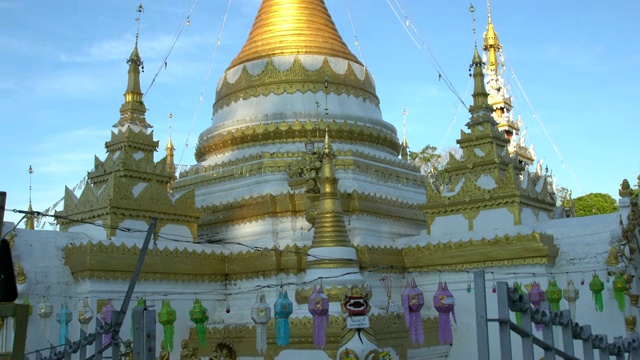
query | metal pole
[482, 329]
[3, 201]
[118, 316]
[504, 327]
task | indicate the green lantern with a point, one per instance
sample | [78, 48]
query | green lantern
[198, 314]
[619, 287]
[597, 286]
[554, 295]
[167, 317]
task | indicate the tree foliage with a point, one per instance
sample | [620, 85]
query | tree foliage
[594, 204]
[430, 160]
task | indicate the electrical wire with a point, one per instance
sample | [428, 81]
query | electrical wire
[422, 45]
[206, 80]
[546, 133]
[374, 267]
[171, 46]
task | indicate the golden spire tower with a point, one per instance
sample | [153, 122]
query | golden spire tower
[132, 111]
[499, 97]
[491, 43]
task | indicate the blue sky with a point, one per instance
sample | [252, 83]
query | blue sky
[63, 72]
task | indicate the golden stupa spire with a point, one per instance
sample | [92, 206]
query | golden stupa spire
[491, 43]
[480, 95]
[293, 27]
[132, 111]
[30, 225]
[404, 152]
[330, 229]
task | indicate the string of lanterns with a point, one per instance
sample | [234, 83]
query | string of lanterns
[412, 299]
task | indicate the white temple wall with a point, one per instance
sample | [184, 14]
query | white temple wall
[368, 230]
[445, 225]
[492, 219]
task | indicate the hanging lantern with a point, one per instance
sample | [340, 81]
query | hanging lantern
[619, 287]
[45, 309]
[85, 315]
[597, 286]
[142, 303]
[518, 286]
[167, 317]
[64, 317]
[106, 317]
[261, 314]
[198, 315]
[553, 295]
[386, 281]
[283, 308]
[571, 294]
[536, 297]
[412, 303]
[444, 303]
[319, 308]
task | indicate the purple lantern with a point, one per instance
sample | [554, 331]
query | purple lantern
[106, 315]
[319, 308]
[536, 297]
[412, 303]
[444, 303]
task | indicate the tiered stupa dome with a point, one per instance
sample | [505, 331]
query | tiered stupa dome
[293, 80]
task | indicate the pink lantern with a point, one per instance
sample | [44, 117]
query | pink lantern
[412, 303]
[444, 303]
[319, 308]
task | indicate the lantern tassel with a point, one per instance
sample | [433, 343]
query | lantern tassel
[599, 302]
[417, 334]
[202, 333]
[597, 286]
[619, 295]
[282, 331]
[261, 338]
[445, 334]
[168, 337]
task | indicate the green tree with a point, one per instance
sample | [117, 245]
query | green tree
[594, 204]
[430, 160]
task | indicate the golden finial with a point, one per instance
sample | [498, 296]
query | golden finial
[489, 11]
[326, 96]
[327, 144]
[404, 124]
[30, 225]
[472, 10]
[171, 166]
[140, 10]
[404, 152]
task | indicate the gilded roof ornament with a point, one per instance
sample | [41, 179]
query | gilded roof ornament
[283, 27]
